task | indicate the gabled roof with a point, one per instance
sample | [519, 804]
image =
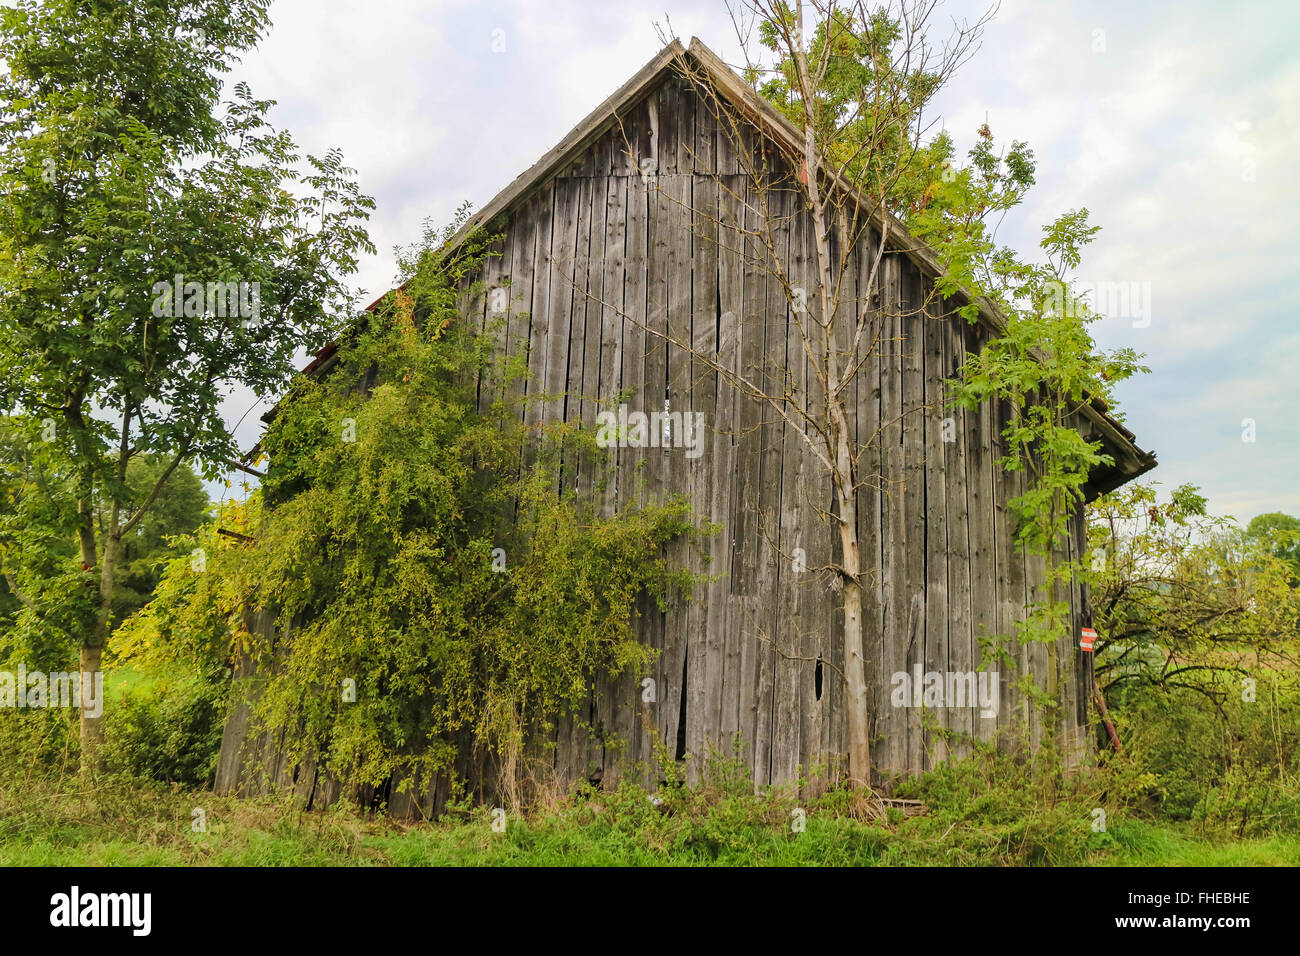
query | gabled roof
[1130, 460]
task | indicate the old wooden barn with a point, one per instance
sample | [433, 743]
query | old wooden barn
[635, 237]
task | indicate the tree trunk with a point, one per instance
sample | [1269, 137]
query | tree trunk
[823, 355]
[92, 727]
[855, 664]
[91, 658]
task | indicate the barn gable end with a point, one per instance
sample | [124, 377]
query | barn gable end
[635, 238]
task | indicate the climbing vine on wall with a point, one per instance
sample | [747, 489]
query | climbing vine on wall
[436, 600]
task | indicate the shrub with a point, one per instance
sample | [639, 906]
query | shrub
[169, 730]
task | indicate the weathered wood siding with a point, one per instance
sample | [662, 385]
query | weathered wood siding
[653, 227]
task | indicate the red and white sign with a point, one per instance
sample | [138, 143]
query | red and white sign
[1087, 637]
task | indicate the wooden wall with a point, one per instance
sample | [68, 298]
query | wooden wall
[650, 226]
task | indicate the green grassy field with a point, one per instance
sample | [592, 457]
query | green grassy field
[124, 825]
[989, 809]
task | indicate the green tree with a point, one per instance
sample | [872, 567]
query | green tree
[180, 510]
[1185, 600]
[1280, 534]
[154, 249]
[38, 545]
[42, 610]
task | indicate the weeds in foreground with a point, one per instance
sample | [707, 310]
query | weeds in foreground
[987, 810]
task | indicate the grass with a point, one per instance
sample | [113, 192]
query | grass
[129, 824]
[1139, 843]
[989, 809]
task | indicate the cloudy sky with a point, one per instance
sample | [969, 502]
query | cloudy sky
[1176, 124]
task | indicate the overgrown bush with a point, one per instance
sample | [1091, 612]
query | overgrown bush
[36, 744]
[441, 596]
[169, 731]
[1228, 768]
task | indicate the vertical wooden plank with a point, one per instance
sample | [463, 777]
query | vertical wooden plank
[685, 98]
[612, 329]
[937, 526]
[758, 654]
[601, 153]
[543, 279]
[587, 386]
[961, 645]
[669, 109]
[914, 490]
[729, 144]
[1013, 604]
[787, 722]
[636, 280]
[647, 397]
[625, 149]
[549, 333]
[983, 545]
[677, 469]
[581, 387]
[1035, 657]
[496, 292]
[746, 506]
[707, 614]
[648, 135]
[1004, 648]
[897, 596]
[523, 248]
[624, 718]
[601, 347]
[569, 408]
[835, 703]
[615, 330]
[561, 269]
[705, 152]
[707, 659]
[870, 440]
[654, 389]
